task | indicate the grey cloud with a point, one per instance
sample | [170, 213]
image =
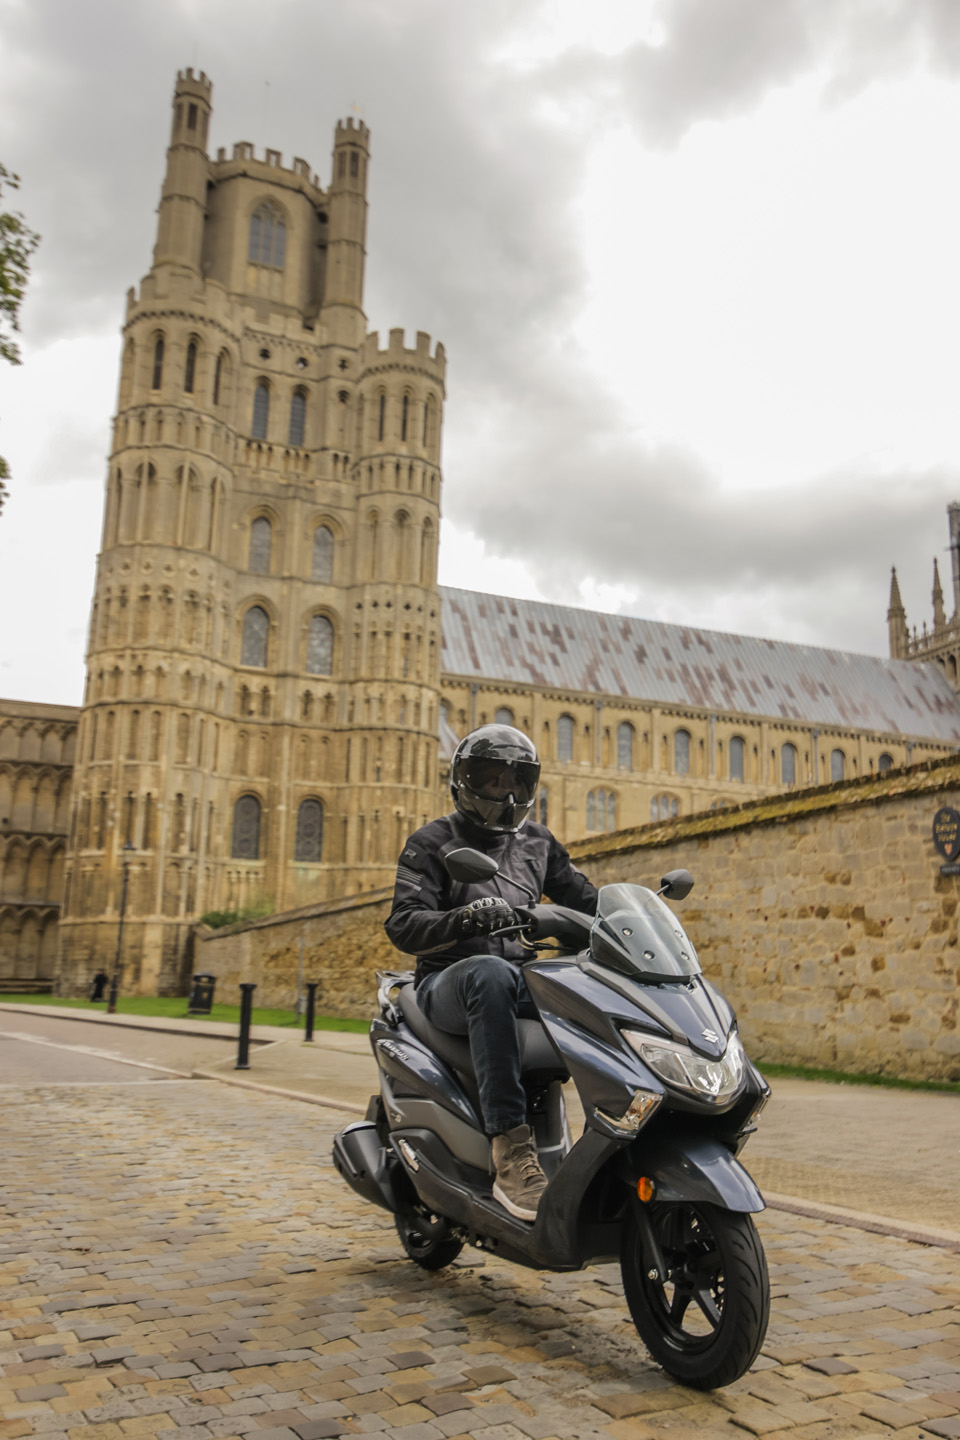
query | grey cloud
[808, 562]
[473, 238]
[718, 59]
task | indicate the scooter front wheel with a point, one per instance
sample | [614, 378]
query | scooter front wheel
[705, 1318]
[427, 1239]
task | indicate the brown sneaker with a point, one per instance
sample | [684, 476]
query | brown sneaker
[519, 1180]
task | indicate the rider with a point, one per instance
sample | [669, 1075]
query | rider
[468, 980]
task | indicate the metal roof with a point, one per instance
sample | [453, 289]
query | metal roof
[525, 642]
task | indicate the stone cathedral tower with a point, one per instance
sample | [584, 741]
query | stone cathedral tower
[261, 707]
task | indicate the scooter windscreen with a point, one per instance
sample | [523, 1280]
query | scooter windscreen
[637, 934]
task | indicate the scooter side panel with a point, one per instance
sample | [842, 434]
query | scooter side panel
[462, 1140]
[414, 1071]
[553, 1242]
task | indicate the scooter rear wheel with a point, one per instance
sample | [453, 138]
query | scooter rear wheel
[427, 1240]
[705, 1320]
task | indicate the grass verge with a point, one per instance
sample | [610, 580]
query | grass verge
[176, 1009]
[848, 1077]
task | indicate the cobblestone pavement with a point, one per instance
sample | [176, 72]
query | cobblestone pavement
[181, 1261]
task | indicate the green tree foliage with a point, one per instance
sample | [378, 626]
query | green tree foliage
[17, 244]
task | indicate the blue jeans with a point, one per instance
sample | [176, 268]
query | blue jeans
[482, 997]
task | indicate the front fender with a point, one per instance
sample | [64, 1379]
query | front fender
[692, 1168]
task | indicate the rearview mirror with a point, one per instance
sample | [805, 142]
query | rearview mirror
[676, 884]
[470, 866]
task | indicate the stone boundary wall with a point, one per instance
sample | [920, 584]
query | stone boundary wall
[822, 915]
[344, 945]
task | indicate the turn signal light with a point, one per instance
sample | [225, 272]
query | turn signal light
[646, 1189]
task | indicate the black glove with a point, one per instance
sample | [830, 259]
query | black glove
[482, 916]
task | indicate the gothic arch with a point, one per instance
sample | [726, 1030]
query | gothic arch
[13, 874]
[263, 557]
[371, 545]
[402, 541]
[319, 641]
[128, 373]
[29, 748]
[268, 226]
[253, 636]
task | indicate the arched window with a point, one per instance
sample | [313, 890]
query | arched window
[737, 749]
[788, 764]
[246, 828]
[542, 800]
[836, 764]
[190, 369]
[404, 417]
[217, 378]
[601, 810]
[157, 364]
[268, 237]
[565, 739]
[261, 536]
[885, 763]
[427, 421]
[322, 566]
[320, 646]
[664, 807]
[256, 632]
[382, 420]
[625, 735]
[261, 411]
[503, 715]
[298, 418]
[309, 842]
[681, 752]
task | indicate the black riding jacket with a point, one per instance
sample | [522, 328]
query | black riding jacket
[426, 901]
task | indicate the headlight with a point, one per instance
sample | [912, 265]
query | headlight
[681, 1067]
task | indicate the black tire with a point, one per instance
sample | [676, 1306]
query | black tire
[427, 1240]
[706, 1320]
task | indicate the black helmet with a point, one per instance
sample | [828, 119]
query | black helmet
[494, 778]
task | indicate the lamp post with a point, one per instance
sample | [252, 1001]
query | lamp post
[128, 850]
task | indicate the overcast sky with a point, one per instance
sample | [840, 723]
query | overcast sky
[694, 264]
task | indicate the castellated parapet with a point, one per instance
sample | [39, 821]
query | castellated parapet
[262, 697]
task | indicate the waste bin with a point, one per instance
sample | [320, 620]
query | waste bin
[201, 994]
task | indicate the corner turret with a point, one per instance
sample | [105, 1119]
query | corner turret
[183, 198]
[342, 312]
[953, 518]
[939, 614]
[897, 621]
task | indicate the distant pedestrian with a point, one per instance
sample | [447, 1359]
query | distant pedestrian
[98, 985]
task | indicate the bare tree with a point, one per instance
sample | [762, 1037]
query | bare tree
[17, 244]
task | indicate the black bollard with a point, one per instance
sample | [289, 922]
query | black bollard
[312, 986]
[246, 1010]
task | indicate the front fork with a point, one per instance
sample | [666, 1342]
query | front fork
[653, 1262]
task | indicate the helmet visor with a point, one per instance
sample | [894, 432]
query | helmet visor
[497, 779]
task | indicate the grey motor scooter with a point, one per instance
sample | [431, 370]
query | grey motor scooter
[669, 1098]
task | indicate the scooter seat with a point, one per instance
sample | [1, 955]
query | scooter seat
[538, 1059]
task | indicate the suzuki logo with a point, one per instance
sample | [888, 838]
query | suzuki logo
[711, 1035]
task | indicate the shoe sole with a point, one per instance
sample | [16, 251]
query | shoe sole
[512, 1207]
